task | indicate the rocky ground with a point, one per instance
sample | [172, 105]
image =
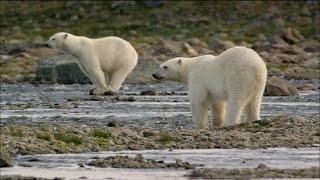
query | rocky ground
[261, 171]
[280, 131]
[285, 34]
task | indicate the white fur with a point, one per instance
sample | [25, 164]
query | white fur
[228, 84]
[106, 61]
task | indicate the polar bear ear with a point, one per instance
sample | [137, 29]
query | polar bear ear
[65, 36]
[180, 61]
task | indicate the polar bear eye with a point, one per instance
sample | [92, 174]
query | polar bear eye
[53, 39]
[165, 67]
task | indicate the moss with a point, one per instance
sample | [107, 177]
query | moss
[278, 66]
[101, 134]
[101, 141]
[16, 132]
[164, 138]
[68, 138]
[61, 145]
[43, 136]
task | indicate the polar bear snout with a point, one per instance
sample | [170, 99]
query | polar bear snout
[157, 76]
[46, 45]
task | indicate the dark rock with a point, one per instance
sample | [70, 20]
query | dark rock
[279, 87]
[5, 161]
[57, 69]
[150, 93]
[262, 166]
[307, 87]
[219, 45]
[142, 73]
[153, 3]
[291, 35]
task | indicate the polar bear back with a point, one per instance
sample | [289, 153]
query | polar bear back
[233, 70]
[118, 51]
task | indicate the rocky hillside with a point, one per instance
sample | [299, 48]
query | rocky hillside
[285, 34]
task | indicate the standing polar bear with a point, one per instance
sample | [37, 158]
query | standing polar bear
[105, 61]
[231, 82]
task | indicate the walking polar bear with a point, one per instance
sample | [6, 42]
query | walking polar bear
[105, 61]
[228, 84]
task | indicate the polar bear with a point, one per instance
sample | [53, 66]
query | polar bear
[105, 61]
[228, 84]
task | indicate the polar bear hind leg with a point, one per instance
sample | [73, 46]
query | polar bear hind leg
[235, 107]
[116, 79]
[217, 109]
[253, 106]
[199, 107]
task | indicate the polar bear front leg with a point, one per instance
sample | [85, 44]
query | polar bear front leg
[217, 109]
[234, 110]
[98, 80]
[116, 80]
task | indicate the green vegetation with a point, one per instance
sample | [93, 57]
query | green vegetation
[16, 132]
[29, 19]
[101, 136]
[101, 141]
[43, 136]
[278, 66]
[68, 138]
[101, 133]
[164, 138]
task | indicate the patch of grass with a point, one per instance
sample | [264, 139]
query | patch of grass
[101, 141]
[263, 122]
[278, 66]
[167, 138]
[98, 133]
[68, 138]
[16, 132]
[43, 136]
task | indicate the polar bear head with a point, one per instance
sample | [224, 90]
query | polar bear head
[171, 70]
[57, 41]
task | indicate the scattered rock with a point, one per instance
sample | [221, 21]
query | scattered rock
[307, 87]
[5, 161]
[291, 35]
[125, 98]
[219, 45]
[262, 166]
[150, 93]
[190, 49]
[279, 87]
[136, 162]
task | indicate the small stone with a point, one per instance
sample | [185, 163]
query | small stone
[150, 93]
[262, 166]
[5, 161]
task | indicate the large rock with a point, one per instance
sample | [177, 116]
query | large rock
[279, 87]
[63, 69]
[5, 161]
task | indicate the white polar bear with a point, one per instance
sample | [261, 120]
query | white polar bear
[231, 82]
[106, 61]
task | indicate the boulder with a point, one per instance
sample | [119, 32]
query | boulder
[57, 69]
[5, 161]
[142, 73]
[291, 35]
[279, 87]
[219, 45]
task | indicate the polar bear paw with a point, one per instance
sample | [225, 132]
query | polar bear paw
[97, 91]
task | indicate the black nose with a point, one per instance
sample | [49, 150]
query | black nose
[155, 76]
[46, 45]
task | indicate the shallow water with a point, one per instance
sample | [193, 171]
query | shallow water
[66, 165]
[71, 104]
